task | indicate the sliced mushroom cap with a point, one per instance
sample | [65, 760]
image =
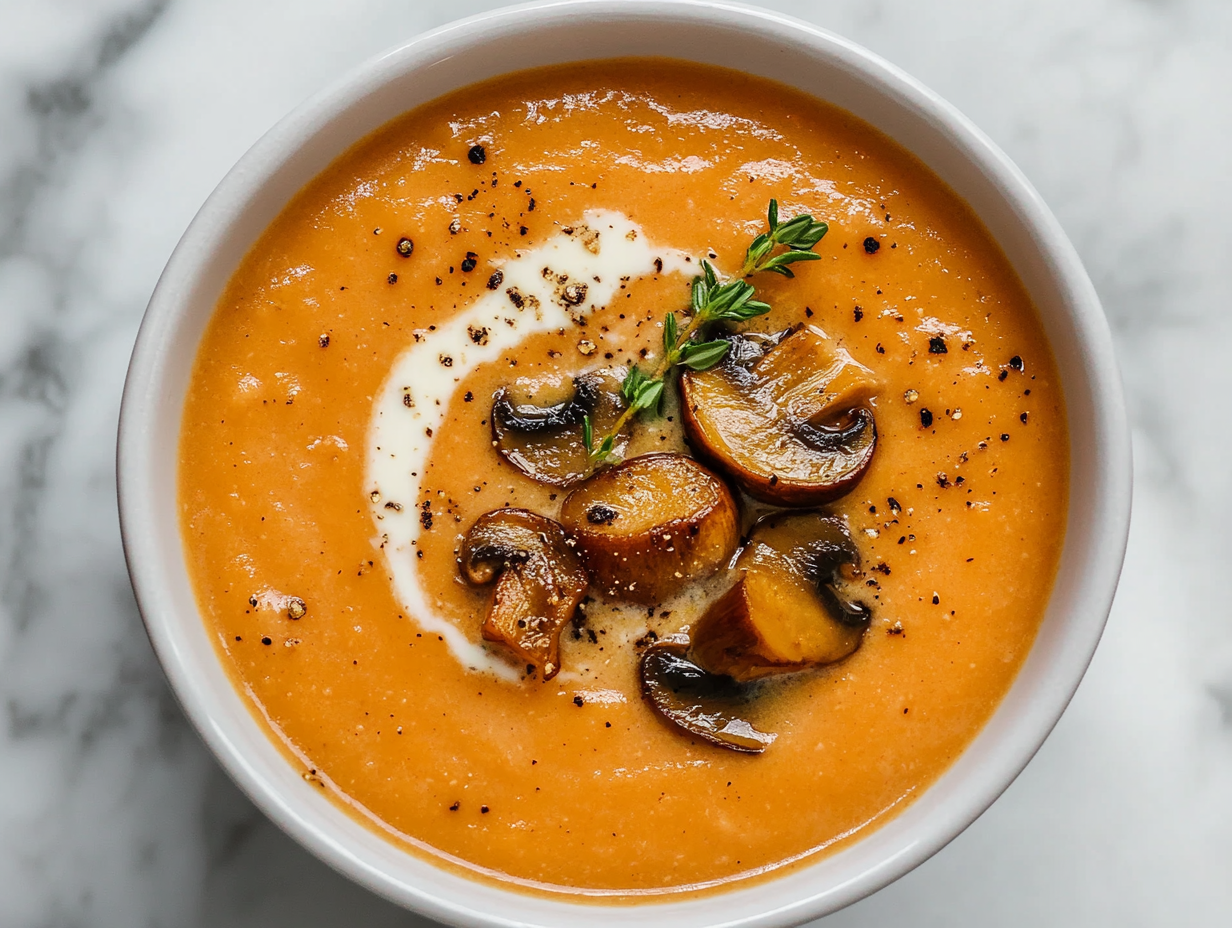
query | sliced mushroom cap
[539, 582]
[538, 427]
[652, 524]
[786, 416]
[701, 703]
[787, 610]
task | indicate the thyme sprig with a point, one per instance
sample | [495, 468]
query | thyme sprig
[799, 235]
[711, 301]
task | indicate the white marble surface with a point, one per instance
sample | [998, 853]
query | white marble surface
[117, 117]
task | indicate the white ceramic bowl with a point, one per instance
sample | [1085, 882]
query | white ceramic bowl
[767, 44]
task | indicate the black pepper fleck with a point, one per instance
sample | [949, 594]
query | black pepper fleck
[936, 345]
[871, 245]
[477, 155]
[600, 514]
[926, 418]
[405, 246]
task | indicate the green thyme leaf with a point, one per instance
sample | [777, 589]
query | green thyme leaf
[761, 247]
[790, 231]
[750, 310]
[699, 295]
[802, 233]
[740, 310]
[778, 264]
[773, 214]
[648, 395]
[701, 356]
[632, 383]
[639, 391]
[728, 298]
[669, 333]
[588, 435]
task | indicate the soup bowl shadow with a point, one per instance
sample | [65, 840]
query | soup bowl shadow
[768, 45]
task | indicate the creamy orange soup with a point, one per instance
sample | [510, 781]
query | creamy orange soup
[574, 785]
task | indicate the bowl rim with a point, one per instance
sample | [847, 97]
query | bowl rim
[143, 502]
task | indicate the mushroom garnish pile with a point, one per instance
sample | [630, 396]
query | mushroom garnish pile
[786, 417]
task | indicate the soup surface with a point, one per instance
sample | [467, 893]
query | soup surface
[322, 531]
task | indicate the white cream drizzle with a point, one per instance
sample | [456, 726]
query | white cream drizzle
[598, 253]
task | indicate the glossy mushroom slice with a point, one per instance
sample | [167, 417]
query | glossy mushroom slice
[787, 416]
[701, 703]
[787, 610]
[539, 582]
[537, 425]
[652, 524]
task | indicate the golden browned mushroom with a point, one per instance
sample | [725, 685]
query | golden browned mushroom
[652, 524]
[785, 415]
[537, 427]
[786, 611]
[539, 582]
[700, 703]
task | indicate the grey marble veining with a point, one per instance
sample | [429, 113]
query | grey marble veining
[117, 117]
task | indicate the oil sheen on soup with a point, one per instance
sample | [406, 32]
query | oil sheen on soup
[352, 489]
